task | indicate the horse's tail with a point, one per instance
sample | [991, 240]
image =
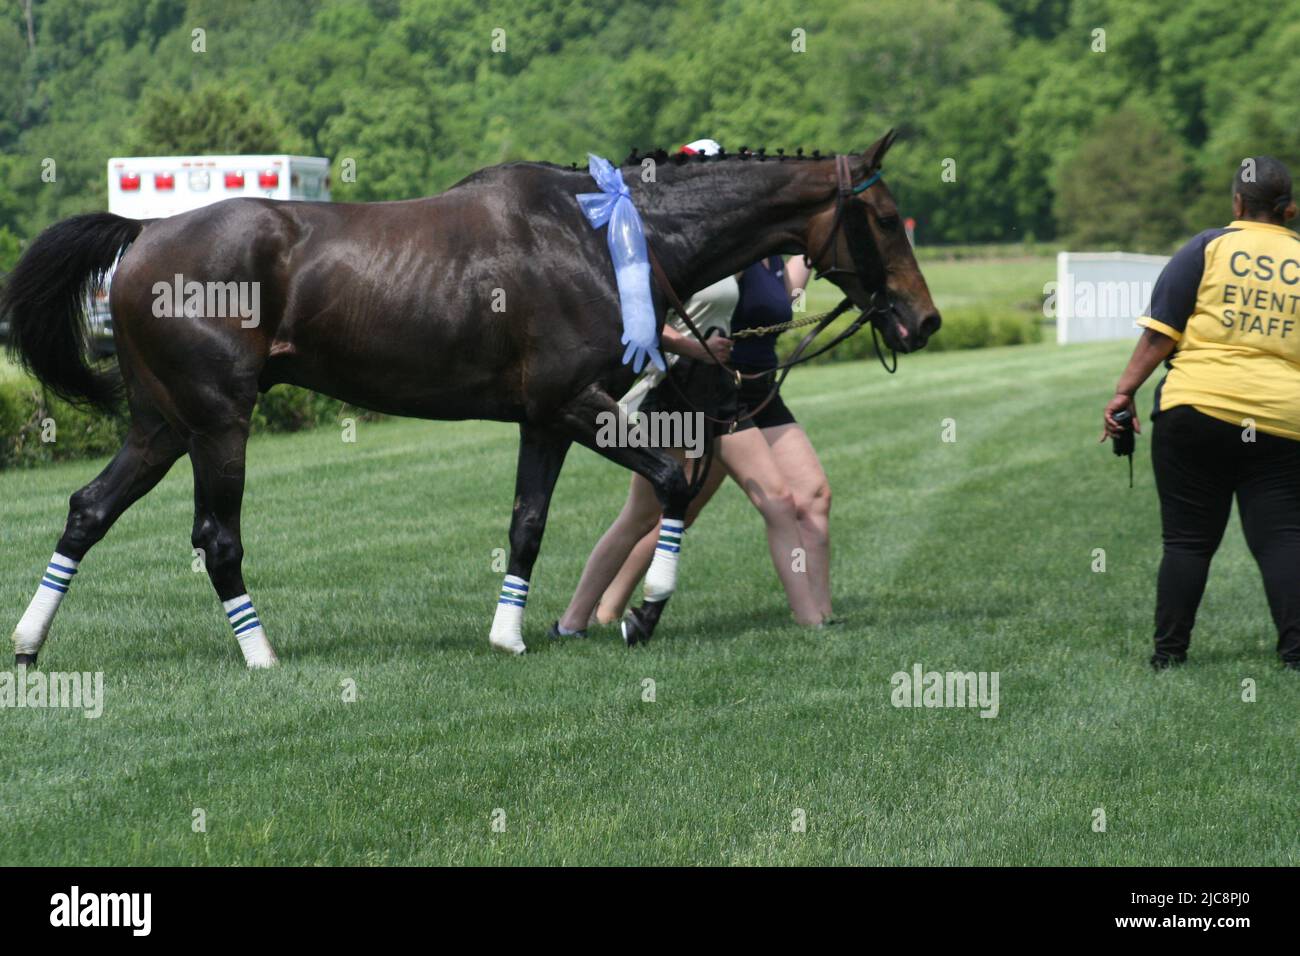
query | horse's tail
[45, 300]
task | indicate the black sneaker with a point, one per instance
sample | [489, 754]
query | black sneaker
[555, 634]
[1161, 662]
[1292, 665]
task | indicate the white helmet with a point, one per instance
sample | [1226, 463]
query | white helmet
[709, 147]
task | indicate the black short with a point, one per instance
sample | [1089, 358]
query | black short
[692, 386]
[752, 393]
[704, 387]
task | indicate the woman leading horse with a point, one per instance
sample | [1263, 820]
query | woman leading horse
[441, 308]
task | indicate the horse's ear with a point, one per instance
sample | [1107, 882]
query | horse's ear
[875, 153]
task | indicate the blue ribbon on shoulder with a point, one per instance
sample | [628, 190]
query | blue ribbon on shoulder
[613, 206]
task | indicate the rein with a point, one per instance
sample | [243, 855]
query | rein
[878, 305]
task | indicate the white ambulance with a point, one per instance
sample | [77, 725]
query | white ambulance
[155, 187]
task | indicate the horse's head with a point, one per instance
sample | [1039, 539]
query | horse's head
[859, 243]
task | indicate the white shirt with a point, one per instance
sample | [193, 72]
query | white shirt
[709, 309]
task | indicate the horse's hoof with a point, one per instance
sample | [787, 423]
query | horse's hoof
[24, 660]
[515, 646]
[635, 628]
[638, 626]
[630, 629]
[257, 650]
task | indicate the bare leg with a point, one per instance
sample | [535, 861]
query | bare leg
[614, 602]
[666, 477]
[637, 522]
[749, 460]
[798, 463]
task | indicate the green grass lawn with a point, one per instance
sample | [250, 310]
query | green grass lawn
[372, 562]
[989, 301]
[989, 284]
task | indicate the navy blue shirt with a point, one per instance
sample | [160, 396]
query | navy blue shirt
[763, 301]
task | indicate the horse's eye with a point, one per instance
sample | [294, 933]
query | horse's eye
[889, 222]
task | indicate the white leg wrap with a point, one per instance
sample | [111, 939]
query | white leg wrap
[508, 622]
[31, 631]
[248, 631]
[661, 579]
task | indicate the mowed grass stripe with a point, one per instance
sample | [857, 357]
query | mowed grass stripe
[373, 563]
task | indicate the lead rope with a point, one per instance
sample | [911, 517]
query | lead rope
[845, 190]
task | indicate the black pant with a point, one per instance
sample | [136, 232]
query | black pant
[1200, 463]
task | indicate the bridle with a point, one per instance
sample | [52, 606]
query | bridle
[845, 190]
[870, 271]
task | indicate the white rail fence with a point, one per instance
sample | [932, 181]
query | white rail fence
[1101, 295]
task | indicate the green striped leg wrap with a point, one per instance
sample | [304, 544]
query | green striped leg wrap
[508, 622]
[248, 631]
[661, 579]
[31, 631]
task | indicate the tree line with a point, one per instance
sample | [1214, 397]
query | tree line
[1108, 123]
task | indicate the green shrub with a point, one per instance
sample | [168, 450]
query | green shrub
[963, 328]
[28, 417]
[960, 252]
[977, 328]
[10, 247]
[289, 409]
[35, 429]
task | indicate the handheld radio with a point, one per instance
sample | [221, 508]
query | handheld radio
[1123, 443]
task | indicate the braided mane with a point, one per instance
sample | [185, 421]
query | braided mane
[661, 155]
[745, 154]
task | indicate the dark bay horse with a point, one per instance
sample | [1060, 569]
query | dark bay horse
[494, 300]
